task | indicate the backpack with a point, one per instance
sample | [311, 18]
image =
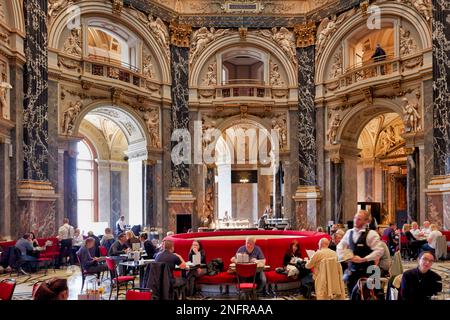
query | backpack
[214, 266]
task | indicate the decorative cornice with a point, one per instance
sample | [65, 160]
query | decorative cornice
[305, 34]
[180, 34]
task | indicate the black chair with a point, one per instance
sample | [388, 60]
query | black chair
[15, 261]
[84, 273]
[159, 280]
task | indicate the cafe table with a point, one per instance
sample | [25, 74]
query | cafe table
[140, 265]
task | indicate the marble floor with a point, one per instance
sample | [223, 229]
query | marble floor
[73, 275]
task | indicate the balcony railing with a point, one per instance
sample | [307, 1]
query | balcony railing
[112, 62]
[364, 71]
[243, 90]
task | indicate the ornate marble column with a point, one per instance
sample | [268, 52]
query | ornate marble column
[307, 196]
[70, 183]
[336, 189]
[180, 199]
[208, 215]
[438, 192]
[150, 208]
[36, 194]
[278, 191]
[411, 181]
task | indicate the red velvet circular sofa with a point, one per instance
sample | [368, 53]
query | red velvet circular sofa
[224, 244]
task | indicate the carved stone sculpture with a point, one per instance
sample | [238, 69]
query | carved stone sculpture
[411, 116]
[333, 129]
[160, 31]
[327, 27]
[285, 39]
[72, 45]
[147, 67]
[201, 38]
[275, 77]
[70, 115]
[279, 123]
[336, 67]
[152, 120]
[407, 44]
[387, 140]
[208, 208]
[211, 76]
[4, 87]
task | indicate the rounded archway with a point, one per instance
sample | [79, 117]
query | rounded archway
[113, 185]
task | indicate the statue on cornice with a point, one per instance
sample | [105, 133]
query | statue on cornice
[327, 27]
[72, 45]
[56, 5]
[70, 116]
[4, 87]
[285, 39]
[158, 27]
[411, 116]
[201, 38]
[424, 7]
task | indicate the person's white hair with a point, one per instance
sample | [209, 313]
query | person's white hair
[251, 239]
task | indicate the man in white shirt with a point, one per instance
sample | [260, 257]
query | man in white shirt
[416, 232]
[360, 247]
[120, 225]
[65, 237]
[434, 234]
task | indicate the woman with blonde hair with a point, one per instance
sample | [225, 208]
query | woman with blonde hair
[131, 238]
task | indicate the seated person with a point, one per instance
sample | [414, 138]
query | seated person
[432, 238]
[148, 246]
[107, 239]
[254, 253]
[77, 242]
[25, 245]
[413, 244]
[421, 283]
[426, 229]
[119, 247]
[389, 235]
[55, 289]
[336, 237]
[291, 257]
[323, 253]
[172, 259]
[196, 248]
[95, 251]
[87, 262]
[131, 238]
[33, 238]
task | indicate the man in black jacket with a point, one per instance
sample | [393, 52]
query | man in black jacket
[149, 248]
[421, 283]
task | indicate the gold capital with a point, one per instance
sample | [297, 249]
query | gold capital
[306, 34]
[180, 34]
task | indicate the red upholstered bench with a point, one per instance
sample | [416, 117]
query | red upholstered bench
[446, 233]
[216, 245]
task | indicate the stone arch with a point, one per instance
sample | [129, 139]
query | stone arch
[127, 119]
[127, 19]
[354, 121]
[252, 40]
[388, 10]
[14, 15]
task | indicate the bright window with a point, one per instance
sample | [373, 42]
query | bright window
[85, 186]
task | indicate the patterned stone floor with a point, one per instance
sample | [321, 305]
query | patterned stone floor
[25, 284]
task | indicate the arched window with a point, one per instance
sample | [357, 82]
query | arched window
[86, 186]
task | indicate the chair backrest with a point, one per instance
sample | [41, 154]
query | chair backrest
[35, 288]
[141, 294]
[246, 270]
[103, 251]
[7, 289]
[158, 279]
[112, 267]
